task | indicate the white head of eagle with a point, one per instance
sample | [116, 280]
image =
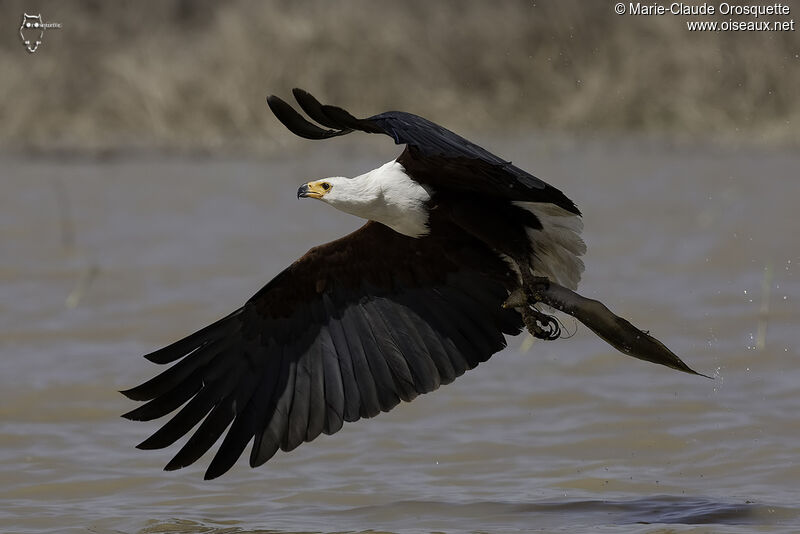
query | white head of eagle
[386, 195]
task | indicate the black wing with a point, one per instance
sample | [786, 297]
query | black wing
[347, 331]
[434, 155]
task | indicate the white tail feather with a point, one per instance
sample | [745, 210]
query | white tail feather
[558, 245]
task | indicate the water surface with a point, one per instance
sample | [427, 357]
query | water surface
[101, 262]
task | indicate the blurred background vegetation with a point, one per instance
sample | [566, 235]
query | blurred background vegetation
[178, 75]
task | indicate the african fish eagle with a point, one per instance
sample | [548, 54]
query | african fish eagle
[460, 248]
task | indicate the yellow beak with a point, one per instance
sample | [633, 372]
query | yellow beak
[311, 190]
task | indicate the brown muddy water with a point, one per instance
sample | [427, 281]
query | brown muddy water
[101, 262]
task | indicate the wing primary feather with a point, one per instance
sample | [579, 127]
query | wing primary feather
[193, 412]
[316, 393]
[344, 353]
[333, 387]
[386, 390]
[299, 411]
[270, 439]
[425, 376]
[373, 380]
[170, 378]
[217, 330]
[459, 350]
[427, 337]
[392, 355]
[296, 123]
[313, 108]
[169, 401]
[251, 420]
[214, 424]
[206, 435]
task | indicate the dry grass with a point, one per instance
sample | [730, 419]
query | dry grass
[194, 76]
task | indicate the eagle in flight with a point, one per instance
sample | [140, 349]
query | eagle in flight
[460, 249]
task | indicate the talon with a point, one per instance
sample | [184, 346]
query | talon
[541, 325]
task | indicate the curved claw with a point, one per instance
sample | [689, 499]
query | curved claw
[541, 325]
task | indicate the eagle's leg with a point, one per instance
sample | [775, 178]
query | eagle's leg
[525, 298]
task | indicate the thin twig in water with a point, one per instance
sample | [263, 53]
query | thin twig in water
[763, 313]
[66, 224]
[86, 279]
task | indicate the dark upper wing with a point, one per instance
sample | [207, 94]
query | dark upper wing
[347, 331]
[434, 155]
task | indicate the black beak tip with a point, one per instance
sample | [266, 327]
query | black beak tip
[302, 191]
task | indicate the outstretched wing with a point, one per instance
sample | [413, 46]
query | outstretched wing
[347, 331]
[433, 155]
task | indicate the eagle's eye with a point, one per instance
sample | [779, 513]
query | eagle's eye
[326, 186]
